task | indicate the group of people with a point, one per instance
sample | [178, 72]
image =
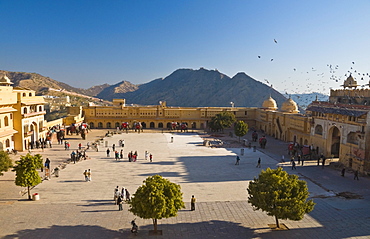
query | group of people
[41, 143]
[87, 174]
[78, 155]
[120, 196]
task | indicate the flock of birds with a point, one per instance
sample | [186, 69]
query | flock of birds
[335, 74]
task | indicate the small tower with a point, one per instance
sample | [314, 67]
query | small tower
[5, 81]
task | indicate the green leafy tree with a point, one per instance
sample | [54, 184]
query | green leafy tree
[222, 120]
[240, 129]
[157, 198]
[280, 194]
[26, 171]
[5, 162]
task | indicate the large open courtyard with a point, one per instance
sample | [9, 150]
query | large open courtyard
[69, 207]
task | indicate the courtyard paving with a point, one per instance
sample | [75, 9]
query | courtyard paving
[69, 207]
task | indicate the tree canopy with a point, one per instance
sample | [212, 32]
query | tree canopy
[5, 162]
[26, 171]
[280, 194]
[157, 198]
[222, 120]
[240, 129]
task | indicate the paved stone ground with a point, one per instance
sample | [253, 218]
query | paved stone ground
[72, 208]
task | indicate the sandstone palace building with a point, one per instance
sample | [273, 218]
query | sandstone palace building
[337, 128]
[21, 116]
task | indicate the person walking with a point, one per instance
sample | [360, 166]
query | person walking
[86, 176]
[120, 202]
[47, 168]
[299, 159]
[356, 175]
[293, 165]
[302, 161]
[323, 162]
[146, 155]
[150, 157]
[123, 193]
[113, 147]
[121, 154]
[116, 195]
[108, 152]
[192, 203]
[89, 175]
[237, 160]
[343, 171]
[258, 163]
[128, 198]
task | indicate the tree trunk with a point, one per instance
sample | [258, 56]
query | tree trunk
[29, 192]
[155, 224]
[277, 222]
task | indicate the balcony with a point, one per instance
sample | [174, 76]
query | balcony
[31, 114]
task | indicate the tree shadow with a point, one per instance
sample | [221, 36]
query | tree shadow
[163, 174]
[62, 232]
[96, 203]
[71, 181]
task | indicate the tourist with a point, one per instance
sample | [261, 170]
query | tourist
[237, 160]
[86, 176]
[89, 175]
[356, 175]
[151, 157]
[293, 165]
[343, 171]
[258, 163]
[108, 152]
[121, 154]
[120, 202]
[192, 202]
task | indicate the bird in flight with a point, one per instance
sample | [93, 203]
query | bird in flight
[275, 41]
[259, 56]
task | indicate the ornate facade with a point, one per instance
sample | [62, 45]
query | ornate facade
[338, 128]
[21, 116]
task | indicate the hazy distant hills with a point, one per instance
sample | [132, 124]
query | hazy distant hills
[38, 83]
[197, 88]
[303, 100]
[184, 87]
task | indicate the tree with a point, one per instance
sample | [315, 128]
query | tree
[280, 194]
[5, 162]
[222, 120]
[240, 129]
[26, 171]
[157, 198]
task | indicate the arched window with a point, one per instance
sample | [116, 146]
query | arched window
[318, 129]
[169, 125]
[30, 94]
[194, 125]
[109, 125]
[160, 125]
[40, 108]
[6, 121]
[100, 125]
[25, 110]
[7, 143]
[117, 125]
[91, 125]
[24, 94]
[352, 138]
[151, 125]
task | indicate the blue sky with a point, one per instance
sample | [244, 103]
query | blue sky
[86, 43]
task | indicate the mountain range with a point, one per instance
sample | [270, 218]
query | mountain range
[184, 87]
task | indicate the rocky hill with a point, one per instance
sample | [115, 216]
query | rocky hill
[197, 88]
[184, 87]
[39, 83]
